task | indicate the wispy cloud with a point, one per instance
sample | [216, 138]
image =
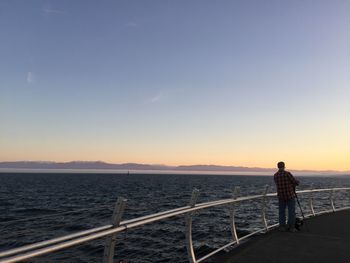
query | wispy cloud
[157, 97]
[162, 95]
[131, 24]
[49, 11]
[30, 77]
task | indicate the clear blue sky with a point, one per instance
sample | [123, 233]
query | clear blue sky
[176, 82]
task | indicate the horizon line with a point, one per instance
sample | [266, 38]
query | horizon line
[173, 166]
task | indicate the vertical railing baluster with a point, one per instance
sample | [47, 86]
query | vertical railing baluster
[331, 197]
[236, 191]
[263, 207]
[189, 243]
[108, 253]
[311, 200]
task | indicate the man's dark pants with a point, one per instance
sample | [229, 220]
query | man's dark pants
[282, 205]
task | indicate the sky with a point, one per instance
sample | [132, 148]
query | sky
[176, 82]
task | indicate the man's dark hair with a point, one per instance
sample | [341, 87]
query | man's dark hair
[281, 165]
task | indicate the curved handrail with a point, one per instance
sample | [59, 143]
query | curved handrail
[48, 246]
[128, 223]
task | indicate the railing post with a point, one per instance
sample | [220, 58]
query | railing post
[108, 253]
[263, 207]
[189, 243]
[331, 197]
[311, 200]
[236, 192]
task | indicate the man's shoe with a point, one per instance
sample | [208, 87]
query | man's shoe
[293, 230]
[282, 228]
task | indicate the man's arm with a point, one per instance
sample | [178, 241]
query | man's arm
[294, 181]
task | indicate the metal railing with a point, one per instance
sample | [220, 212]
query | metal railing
[110, 231]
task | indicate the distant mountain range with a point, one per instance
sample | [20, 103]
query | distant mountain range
[135, 166]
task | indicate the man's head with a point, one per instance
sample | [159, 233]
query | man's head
[281, 165]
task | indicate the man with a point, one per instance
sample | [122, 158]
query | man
[285, 183]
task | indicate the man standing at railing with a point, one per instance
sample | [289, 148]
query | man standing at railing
[286, 183]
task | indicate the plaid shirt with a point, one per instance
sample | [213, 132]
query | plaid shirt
[285, 183]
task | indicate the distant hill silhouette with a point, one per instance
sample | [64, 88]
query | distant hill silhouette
[136, 166]
[76, 165]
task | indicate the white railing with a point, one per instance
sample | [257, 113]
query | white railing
[117, 226]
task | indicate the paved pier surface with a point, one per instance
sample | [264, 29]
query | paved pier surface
[324, 238]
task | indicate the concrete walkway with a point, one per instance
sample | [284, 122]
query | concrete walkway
[324, 238]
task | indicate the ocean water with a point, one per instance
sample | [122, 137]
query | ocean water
[35, 207]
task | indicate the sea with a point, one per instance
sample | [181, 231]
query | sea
[39, 206]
